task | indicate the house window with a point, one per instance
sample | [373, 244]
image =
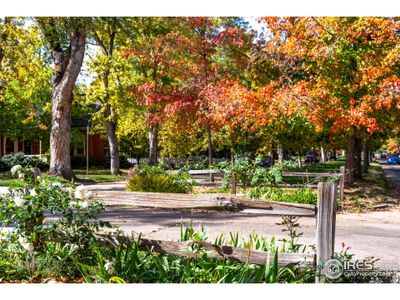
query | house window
[28, 147]
[9, 145]
[80, 151]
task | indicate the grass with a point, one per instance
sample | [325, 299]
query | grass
[300, 195]
[99, 175]
[332, 165]
[96, 175]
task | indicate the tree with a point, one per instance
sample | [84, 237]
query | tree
[105, 32]
[66, 38]
[206, 37]
[346, 70]
[25, 77]
[154, 53]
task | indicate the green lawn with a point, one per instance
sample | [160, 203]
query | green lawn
[99, 175]
[333, 165]
[96, 175]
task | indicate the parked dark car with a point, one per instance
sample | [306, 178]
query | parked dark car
[264, 162]
[311, 158]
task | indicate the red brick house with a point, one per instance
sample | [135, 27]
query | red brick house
[10, 145]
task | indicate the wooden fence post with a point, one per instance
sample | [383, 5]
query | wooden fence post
[326, 222]
[341, 183]
[36, 173]
[233, 183]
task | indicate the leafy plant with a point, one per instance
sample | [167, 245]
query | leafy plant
[248, 173]
[10, 160]
[155, 179]
[43, 211]
[127, 263]
[291, 227]
[301, 195]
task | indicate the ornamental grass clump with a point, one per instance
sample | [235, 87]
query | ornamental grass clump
[155, 179]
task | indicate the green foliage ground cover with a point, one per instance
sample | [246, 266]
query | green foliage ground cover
[156, 179]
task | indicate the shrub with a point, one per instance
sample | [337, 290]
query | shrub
[155, 179]
[105, 162]
[44, 211]
[249, 174]
[8, 161]
[3, 166]
[20, 158]
[303, 195]
[79, 161]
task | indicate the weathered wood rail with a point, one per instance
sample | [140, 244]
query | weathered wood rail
[219, 202]
[284, 173]
[197, 249]
[233, 182]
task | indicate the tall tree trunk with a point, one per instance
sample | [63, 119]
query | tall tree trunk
[153, 144]
[299, 159]
[112, 141]
[67, 68]
[109, 113]
[366, 158]
[280, 153]
[353, 156]
[210, 157]
[323, 154]
[111, 126]
[3, 40]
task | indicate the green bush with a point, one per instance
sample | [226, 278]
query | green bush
[303, 195]
[155, 179]
[10, 160]
[3, 166]
[20, 158]
[40, 212]
[248, 173]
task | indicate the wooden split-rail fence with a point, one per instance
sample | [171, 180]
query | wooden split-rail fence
[324, 212]
[340, 175]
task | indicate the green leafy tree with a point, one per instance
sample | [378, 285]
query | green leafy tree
[66, 40]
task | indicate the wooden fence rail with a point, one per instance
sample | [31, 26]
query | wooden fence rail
[233, 182]
[197, 249]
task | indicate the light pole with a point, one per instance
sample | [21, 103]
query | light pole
[87, 148]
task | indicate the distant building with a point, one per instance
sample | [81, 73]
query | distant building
[97, 150]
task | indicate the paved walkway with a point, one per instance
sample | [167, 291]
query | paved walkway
[369, 234]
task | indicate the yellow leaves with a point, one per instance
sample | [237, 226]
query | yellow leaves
[43, 126]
